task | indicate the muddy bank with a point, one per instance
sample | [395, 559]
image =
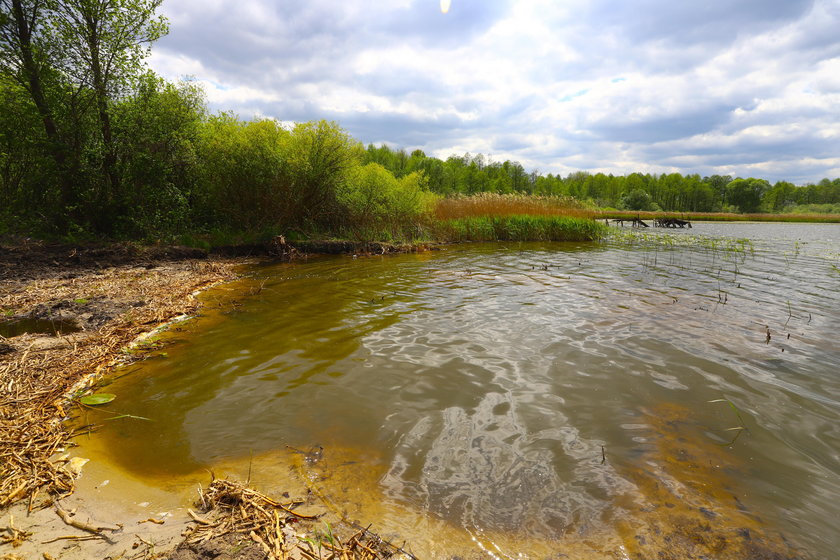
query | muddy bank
[280, 248]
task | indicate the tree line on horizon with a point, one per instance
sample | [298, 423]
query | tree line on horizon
[92, 143]
[468, 174]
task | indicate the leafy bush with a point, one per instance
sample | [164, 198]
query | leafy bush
[376, 202]
[243, 173]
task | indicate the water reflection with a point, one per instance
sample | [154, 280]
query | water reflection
[519, 389]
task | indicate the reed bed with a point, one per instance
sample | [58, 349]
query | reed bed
[521, 228]
[717, 216]
[491, 204]
[513, 217]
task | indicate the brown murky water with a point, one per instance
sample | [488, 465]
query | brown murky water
[615, 400]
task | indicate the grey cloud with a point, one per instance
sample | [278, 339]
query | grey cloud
[663, 36]
[709, 21]
[403, 83]
[814, 116]
[422, 21]
[511, 143]
[664, 127]
[396, 129]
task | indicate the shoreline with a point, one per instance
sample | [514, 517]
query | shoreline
[110, 296]
[116, 298]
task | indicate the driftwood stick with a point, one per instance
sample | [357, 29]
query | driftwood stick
[92, 527]
[75, 538]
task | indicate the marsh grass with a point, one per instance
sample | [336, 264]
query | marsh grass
[741, 427]
[521, 228]
[513, 217]
[717, 216]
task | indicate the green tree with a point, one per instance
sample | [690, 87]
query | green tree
[104, 45]
[26, 48]
[22, 158]
[781, 196]
[376, 202]
[244, 174]
[746, 194]
[636, 200]
[321, 157]
[719, 184]
[157, 130]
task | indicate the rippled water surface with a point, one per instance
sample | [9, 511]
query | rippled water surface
[572, 395]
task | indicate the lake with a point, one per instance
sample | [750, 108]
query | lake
[659, 391]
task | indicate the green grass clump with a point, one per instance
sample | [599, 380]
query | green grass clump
[521, 228]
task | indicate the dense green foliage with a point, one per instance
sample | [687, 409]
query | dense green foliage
[93, 144]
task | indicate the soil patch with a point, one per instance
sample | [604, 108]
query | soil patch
[229, 547]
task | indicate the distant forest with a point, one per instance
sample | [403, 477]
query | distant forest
[670, 192]
[93, 144]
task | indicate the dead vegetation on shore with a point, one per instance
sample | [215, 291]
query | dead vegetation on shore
[112, 295]
[254, 525]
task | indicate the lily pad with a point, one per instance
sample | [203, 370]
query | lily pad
[97, 398]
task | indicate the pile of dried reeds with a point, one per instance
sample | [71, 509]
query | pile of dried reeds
[36, 377]
[231, 508]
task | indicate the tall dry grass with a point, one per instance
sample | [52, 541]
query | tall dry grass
[499, 205]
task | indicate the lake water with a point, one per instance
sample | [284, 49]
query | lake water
[665, 392]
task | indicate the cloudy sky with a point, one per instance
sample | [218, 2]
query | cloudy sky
[741, 87]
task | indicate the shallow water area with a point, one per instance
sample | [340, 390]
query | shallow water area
[522, 400]
[23, 325]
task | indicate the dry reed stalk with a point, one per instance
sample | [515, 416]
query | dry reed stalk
[13, 536]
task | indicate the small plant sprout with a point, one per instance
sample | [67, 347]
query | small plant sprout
[741, 427]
